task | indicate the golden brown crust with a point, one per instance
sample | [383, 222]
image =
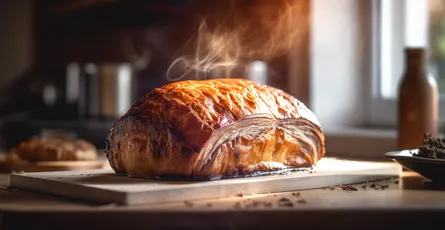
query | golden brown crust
[54, 149]
[10, 159]
[212, 128]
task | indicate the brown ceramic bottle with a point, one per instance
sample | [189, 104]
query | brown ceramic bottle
[418, 101]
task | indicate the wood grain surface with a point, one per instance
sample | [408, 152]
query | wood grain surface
[407, 201]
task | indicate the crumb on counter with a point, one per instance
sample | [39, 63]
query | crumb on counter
[284, 202]
[297, 194]
[188, 203]
[348, 188]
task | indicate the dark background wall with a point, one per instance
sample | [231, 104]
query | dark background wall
[40, 38]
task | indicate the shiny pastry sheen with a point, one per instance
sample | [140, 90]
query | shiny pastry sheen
[212, 129]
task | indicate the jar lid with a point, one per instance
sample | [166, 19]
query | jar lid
[417, 52]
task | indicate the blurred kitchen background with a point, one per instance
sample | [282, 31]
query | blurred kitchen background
[72, 67]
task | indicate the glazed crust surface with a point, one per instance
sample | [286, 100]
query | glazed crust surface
[214, 128]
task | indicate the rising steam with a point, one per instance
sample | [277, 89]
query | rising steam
[261, 31]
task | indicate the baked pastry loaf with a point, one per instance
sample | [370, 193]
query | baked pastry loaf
[55, 149]
[7, 161]
[212, 129]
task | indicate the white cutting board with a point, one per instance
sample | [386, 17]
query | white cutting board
[102, 186]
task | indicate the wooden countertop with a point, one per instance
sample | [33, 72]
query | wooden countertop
[407, 201]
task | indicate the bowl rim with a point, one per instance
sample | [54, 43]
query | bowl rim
[407, 155]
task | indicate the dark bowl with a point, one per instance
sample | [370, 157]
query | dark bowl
[432, 169]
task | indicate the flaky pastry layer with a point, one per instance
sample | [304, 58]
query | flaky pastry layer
[214, 128]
